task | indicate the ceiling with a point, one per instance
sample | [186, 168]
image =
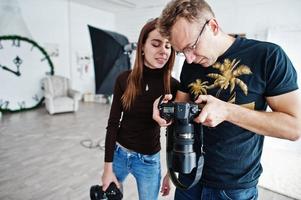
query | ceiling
[122, 5]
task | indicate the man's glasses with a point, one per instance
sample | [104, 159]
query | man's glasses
[187, 50]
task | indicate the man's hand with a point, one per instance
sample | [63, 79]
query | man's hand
[156, 113]
[213, 113]
[108, 177]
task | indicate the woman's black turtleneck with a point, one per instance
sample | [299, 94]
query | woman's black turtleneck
[136, 130]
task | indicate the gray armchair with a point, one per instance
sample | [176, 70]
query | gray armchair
[58, 95]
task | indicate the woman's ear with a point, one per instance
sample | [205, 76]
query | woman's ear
[142, 50]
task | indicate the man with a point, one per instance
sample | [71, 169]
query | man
[237, 79]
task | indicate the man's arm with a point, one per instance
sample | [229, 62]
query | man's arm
[283, 122]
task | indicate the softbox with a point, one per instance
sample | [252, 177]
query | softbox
[110, 58]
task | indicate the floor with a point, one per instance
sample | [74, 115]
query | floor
[59, 157]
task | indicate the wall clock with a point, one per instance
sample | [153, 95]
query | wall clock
[23, 64]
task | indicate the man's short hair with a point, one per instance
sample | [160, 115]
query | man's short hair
[191, 10]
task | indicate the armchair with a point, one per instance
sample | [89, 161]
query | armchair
[58, 95]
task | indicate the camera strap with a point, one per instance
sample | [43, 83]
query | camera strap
[199, 169]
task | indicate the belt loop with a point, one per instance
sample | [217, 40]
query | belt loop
[140, 156]
[117, 147]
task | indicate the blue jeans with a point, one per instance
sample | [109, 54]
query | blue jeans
[200, 192]
[145, 168]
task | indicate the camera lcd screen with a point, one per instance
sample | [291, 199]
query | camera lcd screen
[168, 109]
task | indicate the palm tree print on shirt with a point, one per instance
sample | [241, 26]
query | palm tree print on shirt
[199, 87]
[229, 71]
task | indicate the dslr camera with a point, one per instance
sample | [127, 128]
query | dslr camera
[182, 138]
[184, 148]
[111, 193]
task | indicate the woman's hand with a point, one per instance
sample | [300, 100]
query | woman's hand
[108, 176]
[165, 188]
[156, 114]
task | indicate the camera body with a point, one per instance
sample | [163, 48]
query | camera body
[181, 135]
[111, 193]
[185, 112]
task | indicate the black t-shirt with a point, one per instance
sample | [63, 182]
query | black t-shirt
[247, 73]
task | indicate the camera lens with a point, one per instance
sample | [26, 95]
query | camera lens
[96, 193]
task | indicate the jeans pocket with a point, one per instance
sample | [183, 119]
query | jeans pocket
[150, 159]
[241, 194]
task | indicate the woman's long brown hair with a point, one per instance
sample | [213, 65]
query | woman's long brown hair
[135, 78]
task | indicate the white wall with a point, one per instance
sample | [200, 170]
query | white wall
[130, 23]
[253, 17]
[64, 25]
[47, 22]
[80, 43]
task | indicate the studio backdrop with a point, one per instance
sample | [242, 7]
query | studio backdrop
[110, 58]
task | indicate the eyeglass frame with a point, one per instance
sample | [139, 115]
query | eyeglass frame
[193, 47]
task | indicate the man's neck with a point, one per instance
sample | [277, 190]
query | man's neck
[225, 43]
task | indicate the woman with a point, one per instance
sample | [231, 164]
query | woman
[133, 140]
